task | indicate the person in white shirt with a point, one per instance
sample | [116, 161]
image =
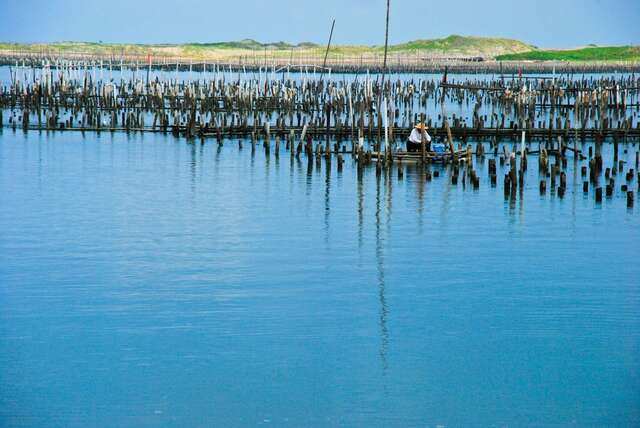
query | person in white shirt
[415, 138]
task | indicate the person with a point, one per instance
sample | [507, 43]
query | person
[415, 138]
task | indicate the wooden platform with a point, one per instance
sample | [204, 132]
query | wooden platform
[417, 156]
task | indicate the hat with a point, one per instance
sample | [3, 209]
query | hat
[421, 126]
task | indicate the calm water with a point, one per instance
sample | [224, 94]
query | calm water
[145, 281]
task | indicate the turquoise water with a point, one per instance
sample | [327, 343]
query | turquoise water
[145, 281]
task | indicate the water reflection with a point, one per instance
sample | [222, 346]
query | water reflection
[196, 306]
[384, 332]
[267, 170]
[446, 195]
[388, 183]
[277, 162]
[309, 180]
[420, 185]
[193, 159]
[360, 192]
[40, 161]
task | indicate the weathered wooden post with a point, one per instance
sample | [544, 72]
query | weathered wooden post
[423, 140]
[598, 194]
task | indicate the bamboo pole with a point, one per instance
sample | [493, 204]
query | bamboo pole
[326, 53]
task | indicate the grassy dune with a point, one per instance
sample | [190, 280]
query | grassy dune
[251, 50]
[474, 46]
[452, 45]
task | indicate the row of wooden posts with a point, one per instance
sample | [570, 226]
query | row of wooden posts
[418, 62]
[222, 105]
[319, 117]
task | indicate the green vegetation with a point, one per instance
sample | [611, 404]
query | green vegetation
[613, 53]
[486, 47]
[452, 45]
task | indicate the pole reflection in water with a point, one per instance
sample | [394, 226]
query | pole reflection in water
[309, 180]
[277, 165]
[327, 202]
[360, 191]
[384, 332]
[267, 170]
[388, 183]
[202, 158]
[421, 172]
[193, 160]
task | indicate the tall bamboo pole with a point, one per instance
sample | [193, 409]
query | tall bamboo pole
[326, 53]
[384, 68]
[386, 42]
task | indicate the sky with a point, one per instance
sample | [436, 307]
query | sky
[544, 23]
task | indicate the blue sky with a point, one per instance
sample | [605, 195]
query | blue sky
[545, 23]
